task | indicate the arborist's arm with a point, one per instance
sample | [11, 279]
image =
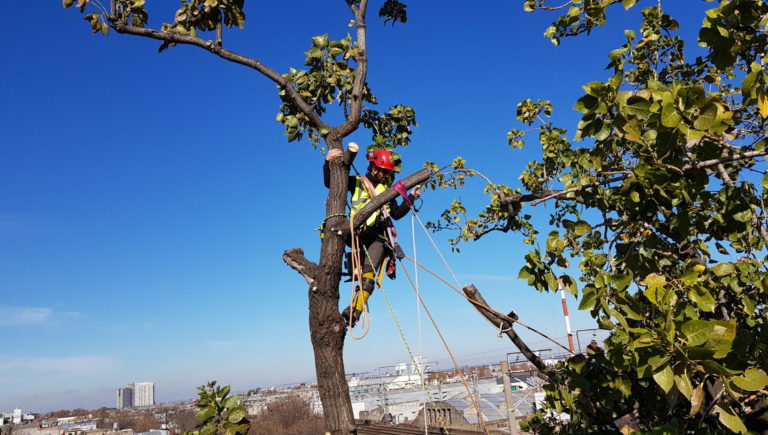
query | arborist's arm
[398, 211]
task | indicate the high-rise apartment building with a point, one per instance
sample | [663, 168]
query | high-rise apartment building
[136, 394]
[143, 393]
[124, 397]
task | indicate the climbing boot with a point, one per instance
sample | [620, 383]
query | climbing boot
[352, 313]
[355, 316]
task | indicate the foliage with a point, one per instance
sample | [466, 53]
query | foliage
[219, 412]
[662, 207]
[288, 415]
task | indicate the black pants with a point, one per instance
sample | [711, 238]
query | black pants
[374, 243]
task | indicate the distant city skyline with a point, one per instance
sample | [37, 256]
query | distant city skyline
[136, 394]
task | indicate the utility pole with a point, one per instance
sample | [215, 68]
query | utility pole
[508, 398]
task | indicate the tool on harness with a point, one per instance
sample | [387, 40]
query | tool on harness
[391, 268]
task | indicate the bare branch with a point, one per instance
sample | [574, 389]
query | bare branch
[295, 258]
[538, 198]
[477, 301]
[361, 71]
[715, 162]
[178, 38]
[219, 36]
[553, 8]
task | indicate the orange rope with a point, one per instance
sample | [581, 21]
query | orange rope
[357, 277]
[448, 349]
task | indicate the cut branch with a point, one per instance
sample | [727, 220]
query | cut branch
[295, 258]
[388, 195]
[477, 301]
[177, 38]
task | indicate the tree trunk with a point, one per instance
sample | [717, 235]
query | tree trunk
[326, 326]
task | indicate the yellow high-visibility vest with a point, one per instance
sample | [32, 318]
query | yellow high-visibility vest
[360, 198]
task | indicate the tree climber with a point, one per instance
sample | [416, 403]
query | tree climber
[373, 234]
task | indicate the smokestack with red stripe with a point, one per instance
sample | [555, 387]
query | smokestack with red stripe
[565, 313]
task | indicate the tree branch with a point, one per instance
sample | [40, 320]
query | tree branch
[176, 38]
[477, 301]
[361, 71]
[538, 198]
[754, 219]
[388, 195]
[295, 258]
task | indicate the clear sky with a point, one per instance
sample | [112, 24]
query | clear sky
[146, 199]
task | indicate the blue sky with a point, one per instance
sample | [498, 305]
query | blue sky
[146, 198]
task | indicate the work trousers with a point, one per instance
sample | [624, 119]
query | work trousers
[377, 252]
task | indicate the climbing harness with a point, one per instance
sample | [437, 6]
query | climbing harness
[391, 232]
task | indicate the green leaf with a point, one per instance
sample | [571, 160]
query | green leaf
[320, 40]
[588, 301]
[707, 118]
[638, 106]
[697, 331]
[582, 228]
[665, 378]
[205, 413]
[753, 379]
[723, 269]
[702, 298]
[629, 3]
[586, 104]
[683, 383]
[621, 281]
[669, 116]
[230, 402]
[236, 414]
[729, 419]
[654, 280]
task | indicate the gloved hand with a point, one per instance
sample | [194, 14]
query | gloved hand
[332, 154]
[416, 192]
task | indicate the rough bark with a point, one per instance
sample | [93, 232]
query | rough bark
[327, 328]
[499, 322]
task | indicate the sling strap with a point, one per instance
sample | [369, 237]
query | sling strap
[391, 232]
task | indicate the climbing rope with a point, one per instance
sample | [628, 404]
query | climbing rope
[450, 353]
[356, 269]
[402, 334]
[424, 388]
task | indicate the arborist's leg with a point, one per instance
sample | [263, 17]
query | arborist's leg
[374, 256]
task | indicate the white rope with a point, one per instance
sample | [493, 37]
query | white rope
[416, 279]
[423, 227]
[418, 312]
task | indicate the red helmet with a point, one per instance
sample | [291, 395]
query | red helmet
[382, 158]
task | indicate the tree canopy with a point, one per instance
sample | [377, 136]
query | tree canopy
[659, 200]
